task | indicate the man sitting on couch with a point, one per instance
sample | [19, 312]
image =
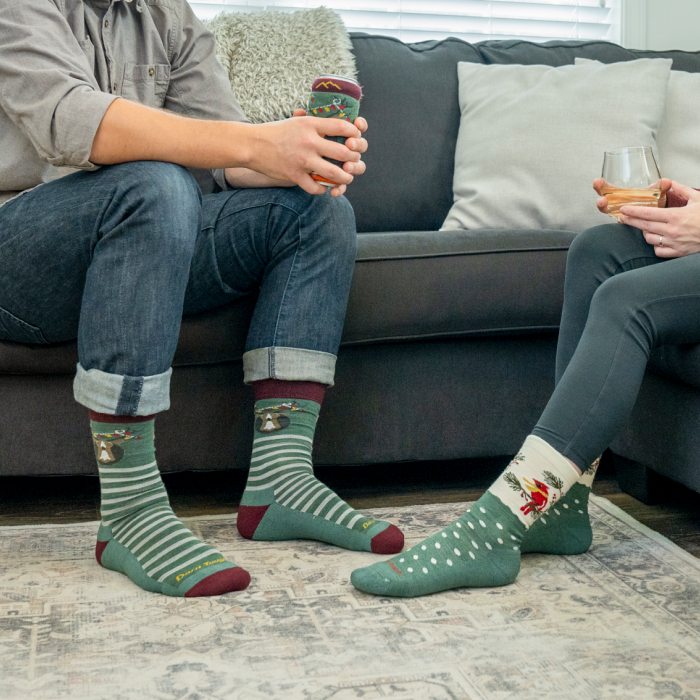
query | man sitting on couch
[114, 255]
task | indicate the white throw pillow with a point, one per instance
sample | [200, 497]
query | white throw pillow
[531, 139]
[678, 140]
[272, 57]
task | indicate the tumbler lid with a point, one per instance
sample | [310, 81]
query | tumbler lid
[337, 83]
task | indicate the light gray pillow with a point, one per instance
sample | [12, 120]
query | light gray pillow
[678, 140]
[531, 139]
[272, 57]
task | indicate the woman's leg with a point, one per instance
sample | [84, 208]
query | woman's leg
[104, 257]
[630, 314]
[298, 252]
[595, 255]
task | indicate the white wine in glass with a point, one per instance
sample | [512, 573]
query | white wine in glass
[631, 177]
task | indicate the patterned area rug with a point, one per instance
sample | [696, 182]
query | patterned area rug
[622, 621]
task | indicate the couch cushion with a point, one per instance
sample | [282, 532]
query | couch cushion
[532, 138]
[410, 103]
[456, 283]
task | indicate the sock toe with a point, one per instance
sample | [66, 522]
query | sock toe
[368, 580]
[388, 541]
[226, 581]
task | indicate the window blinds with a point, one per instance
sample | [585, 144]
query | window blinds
[471, 20]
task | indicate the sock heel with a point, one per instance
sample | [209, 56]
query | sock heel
[99, 550]
[248, 519]
[284, 500]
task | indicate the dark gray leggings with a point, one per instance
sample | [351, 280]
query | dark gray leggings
[620, 302]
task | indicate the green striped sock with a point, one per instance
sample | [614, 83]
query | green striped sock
[283, 500]
[139, 535]
[482, 547]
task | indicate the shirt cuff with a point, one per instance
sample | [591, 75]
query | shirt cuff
[220, 179]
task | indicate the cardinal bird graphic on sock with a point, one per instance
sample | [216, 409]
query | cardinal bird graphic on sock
[537, 495]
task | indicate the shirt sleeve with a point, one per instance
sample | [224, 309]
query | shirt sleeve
[199, 85]
[46, 85]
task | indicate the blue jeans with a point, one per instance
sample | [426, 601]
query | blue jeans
[621, 302]
[115, 257]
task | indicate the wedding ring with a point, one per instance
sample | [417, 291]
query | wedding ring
[661, 240]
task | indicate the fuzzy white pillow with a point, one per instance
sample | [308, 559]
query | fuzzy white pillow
[531, 139]
[272, 57]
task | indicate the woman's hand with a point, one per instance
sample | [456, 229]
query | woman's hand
[674, 232]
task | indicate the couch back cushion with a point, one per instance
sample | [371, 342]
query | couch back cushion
[411, 104]
[560, 53]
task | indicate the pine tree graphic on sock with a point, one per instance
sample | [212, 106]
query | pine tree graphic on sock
[482, 547]
[283, 500]
[139, 535]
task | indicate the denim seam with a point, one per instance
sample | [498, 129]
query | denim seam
[292, 269]
[220, 279]
[222, 217]
[133, 399]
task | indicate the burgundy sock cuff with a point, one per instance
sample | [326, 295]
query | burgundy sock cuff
[281, 389]
[109, 418]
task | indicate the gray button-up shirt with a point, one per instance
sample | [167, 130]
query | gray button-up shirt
[63, 62]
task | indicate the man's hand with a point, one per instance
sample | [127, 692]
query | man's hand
[673, 232]
[602, 203]
[292, 149]
[358, 145]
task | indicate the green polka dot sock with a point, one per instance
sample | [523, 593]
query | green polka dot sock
[139, 535]
[283, 500]
[482, 547]
[566, 529]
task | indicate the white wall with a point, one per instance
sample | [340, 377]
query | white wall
[661, 24]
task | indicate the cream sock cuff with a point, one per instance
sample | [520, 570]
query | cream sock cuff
[536, 478]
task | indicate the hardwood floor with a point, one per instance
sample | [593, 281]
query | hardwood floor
[29, 501]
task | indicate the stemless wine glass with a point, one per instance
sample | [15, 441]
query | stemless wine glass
[631, 177]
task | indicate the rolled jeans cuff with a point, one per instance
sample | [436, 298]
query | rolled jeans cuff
[289, 364]
[121, 395]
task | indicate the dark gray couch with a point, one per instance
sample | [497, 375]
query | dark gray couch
[449, 343]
